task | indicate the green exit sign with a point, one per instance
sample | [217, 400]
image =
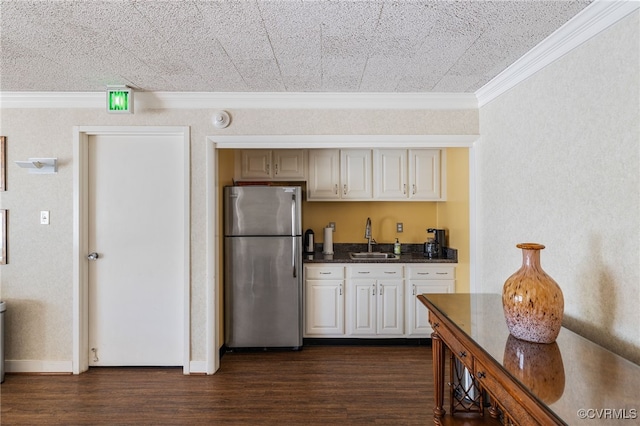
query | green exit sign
[120, 100]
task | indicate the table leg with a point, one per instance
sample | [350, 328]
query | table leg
[438, 376]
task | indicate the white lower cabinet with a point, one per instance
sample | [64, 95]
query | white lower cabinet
[371, 300]
[423, 278]
[375, 299]
[324, 301]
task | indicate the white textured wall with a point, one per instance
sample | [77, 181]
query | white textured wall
[559, 164]
[37, 284]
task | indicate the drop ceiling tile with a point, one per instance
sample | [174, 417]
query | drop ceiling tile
[262, 45]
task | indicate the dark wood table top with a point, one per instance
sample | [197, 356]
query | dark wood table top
[580, 381]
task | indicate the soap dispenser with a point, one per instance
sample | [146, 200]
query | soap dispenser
[397, 249]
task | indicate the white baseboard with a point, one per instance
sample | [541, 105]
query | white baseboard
[61, 367]
[38, 366]
[198, 367]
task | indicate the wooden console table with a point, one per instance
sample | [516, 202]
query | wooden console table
[571, 381]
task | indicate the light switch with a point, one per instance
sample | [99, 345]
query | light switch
[44, 217]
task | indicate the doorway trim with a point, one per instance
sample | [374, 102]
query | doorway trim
[213, 215]
[81, 134]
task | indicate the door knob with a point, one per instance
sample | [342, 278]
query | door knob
[93, 256]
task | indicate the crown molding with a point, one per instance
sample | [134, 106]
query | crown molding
[344, 141]
[245, 100]
[592, 20]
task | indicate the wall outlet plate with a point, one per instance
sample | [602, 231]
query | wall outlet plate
[44, 217]
[399, 227]
[332, 225]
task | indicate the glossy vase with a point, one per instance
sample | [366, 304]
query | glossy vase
[532, 301]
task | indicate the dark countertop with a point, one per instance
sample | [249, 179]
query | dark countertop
[411, 253]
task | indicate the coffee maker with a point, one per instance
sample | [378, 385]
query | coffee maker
[435, 247]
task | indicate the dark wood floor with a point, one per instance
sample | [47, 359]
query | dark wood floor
[318, 385]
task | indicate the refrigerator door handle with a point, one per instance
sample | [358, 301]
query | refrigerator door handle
[293, 252]
[293, 215]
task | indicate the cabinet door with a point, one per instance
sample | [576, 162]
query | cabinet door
[390, 174]
[424, 174]
[355, 174]
[390, 307]
[417, 313]
[288, 164]
[324, 308]
[324, 174]
[361, 307]
[255, 164]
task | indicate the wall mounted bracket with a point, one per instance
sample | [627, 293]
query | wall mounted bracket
[40, 165]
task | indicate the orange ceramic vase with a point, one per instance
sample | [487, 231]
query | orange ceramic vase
[532, 301]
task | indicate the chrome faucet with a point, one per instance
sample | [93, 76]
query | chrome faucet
[367, 235]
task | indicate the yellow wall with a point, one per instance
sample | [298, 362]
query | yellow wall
[350, 217]
[453, 215]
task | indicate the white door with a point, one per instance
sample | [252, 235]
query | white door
[136, 225]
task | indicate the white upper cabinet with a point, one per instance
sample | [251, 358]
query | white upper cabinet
[390, 176]
[267, 164]
[339, 174]
[351, 174]
[355, 174]
[324, 174]
[413, 174]
[288, 164]
[425, 181]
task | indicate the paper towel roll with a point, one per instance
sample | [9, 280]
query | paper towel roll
[328, 241]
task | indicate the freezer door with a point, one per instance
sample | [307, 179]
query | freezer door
[262, 210]
[263, 292]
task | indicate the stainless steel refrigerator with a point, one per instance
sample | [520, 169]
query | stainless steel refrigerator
[263, 267]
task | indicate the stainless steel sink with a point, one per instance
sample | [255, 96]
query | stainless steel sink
[376, 255]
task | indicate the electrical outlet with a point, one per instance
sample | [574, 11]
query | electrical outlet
[44, 217]
[332, 225]
[399, 227]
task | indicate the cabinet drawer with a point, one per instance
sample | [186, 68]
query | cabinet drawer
[432, 272]
[515, 411]
[457, 348]
[375, 271]
[324, 272]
